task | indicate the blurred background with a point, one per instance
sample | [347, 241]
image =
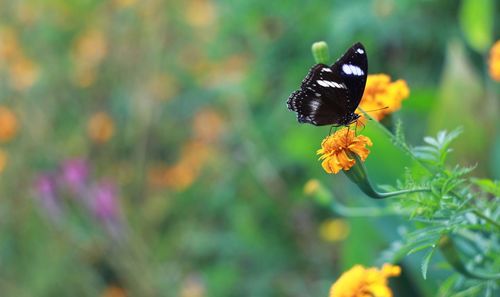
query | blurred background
[146, 147]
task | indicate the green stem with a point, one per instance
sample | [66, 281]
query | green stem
[347, 211]
[486, 218]
[359, 176]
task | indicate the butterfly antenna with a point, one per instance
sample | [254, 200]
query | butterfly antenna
[367, 111]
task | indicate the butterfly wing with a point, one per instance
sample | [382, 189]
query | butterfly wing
[330, 94]
[352, 67]
[315, 102]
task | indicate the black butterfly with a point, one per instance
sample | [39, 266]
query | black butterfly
[330, 95]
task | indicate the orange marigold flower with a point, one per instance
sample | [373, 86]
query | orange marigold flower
[495, 61]
[362, 282]
[337, 149]
[383, 95]
[8, 124]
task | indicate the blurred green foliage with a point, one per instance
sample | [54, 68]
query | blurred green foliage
[181, 105]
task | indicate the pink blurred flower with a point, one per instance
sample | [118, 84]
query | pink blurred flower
[105, 206]
[45, 187]
[74, 174]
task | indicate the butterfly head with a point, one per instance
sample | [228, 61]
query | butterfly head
[348, 119]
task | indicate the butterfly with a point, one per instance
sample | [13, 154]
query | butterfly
[329, 95]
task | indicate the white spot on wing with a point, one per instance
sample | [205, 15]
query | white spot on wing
[326, 69]
[360, 51]
[352, 69]
[346, 69]
[314, 104]
[323, 83]
[326, 83]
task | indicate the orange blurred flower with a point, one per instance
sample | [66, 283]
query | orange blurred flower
[114, 291]
[494, 61]
[382, 97]
[363, 282]
[208, 125]
[8, 124]
[337, 149]
[23, 73]
[124, 3]
[200, 13]
[3, 160]
[162, 86]
[100, 127]
[192, 287]
[89, 49]
[334, 230]
[9, 45]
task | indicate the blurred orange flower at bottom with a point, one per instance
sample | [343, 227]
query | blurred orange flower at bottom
[362, 282]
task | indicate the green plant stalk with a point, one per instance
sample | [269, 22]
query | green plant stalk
[451, 255]
[486, 218]
[358, 175]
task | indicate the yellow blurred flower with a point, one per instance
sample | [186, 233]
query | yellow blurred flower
[23, 73]
[365, 282]
[337, 149]
[27, 13]
[382, 97]
[9, 46]
[184, 172]
[89, 49]
[494, 61]
[100, 127]
[334, 230]
[114, 291]
[8, 124]
[311, 187]
[208, 125]
[192, 287]
[162, 86]
[200, 13]
[3, 160]
[124, 3]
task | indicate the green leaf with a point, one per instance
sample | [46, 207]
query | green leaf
[425, 262]
[421, 247]
[476, 21]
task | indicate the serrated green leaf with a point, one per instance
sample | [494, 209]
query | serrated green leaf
[431, 141]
